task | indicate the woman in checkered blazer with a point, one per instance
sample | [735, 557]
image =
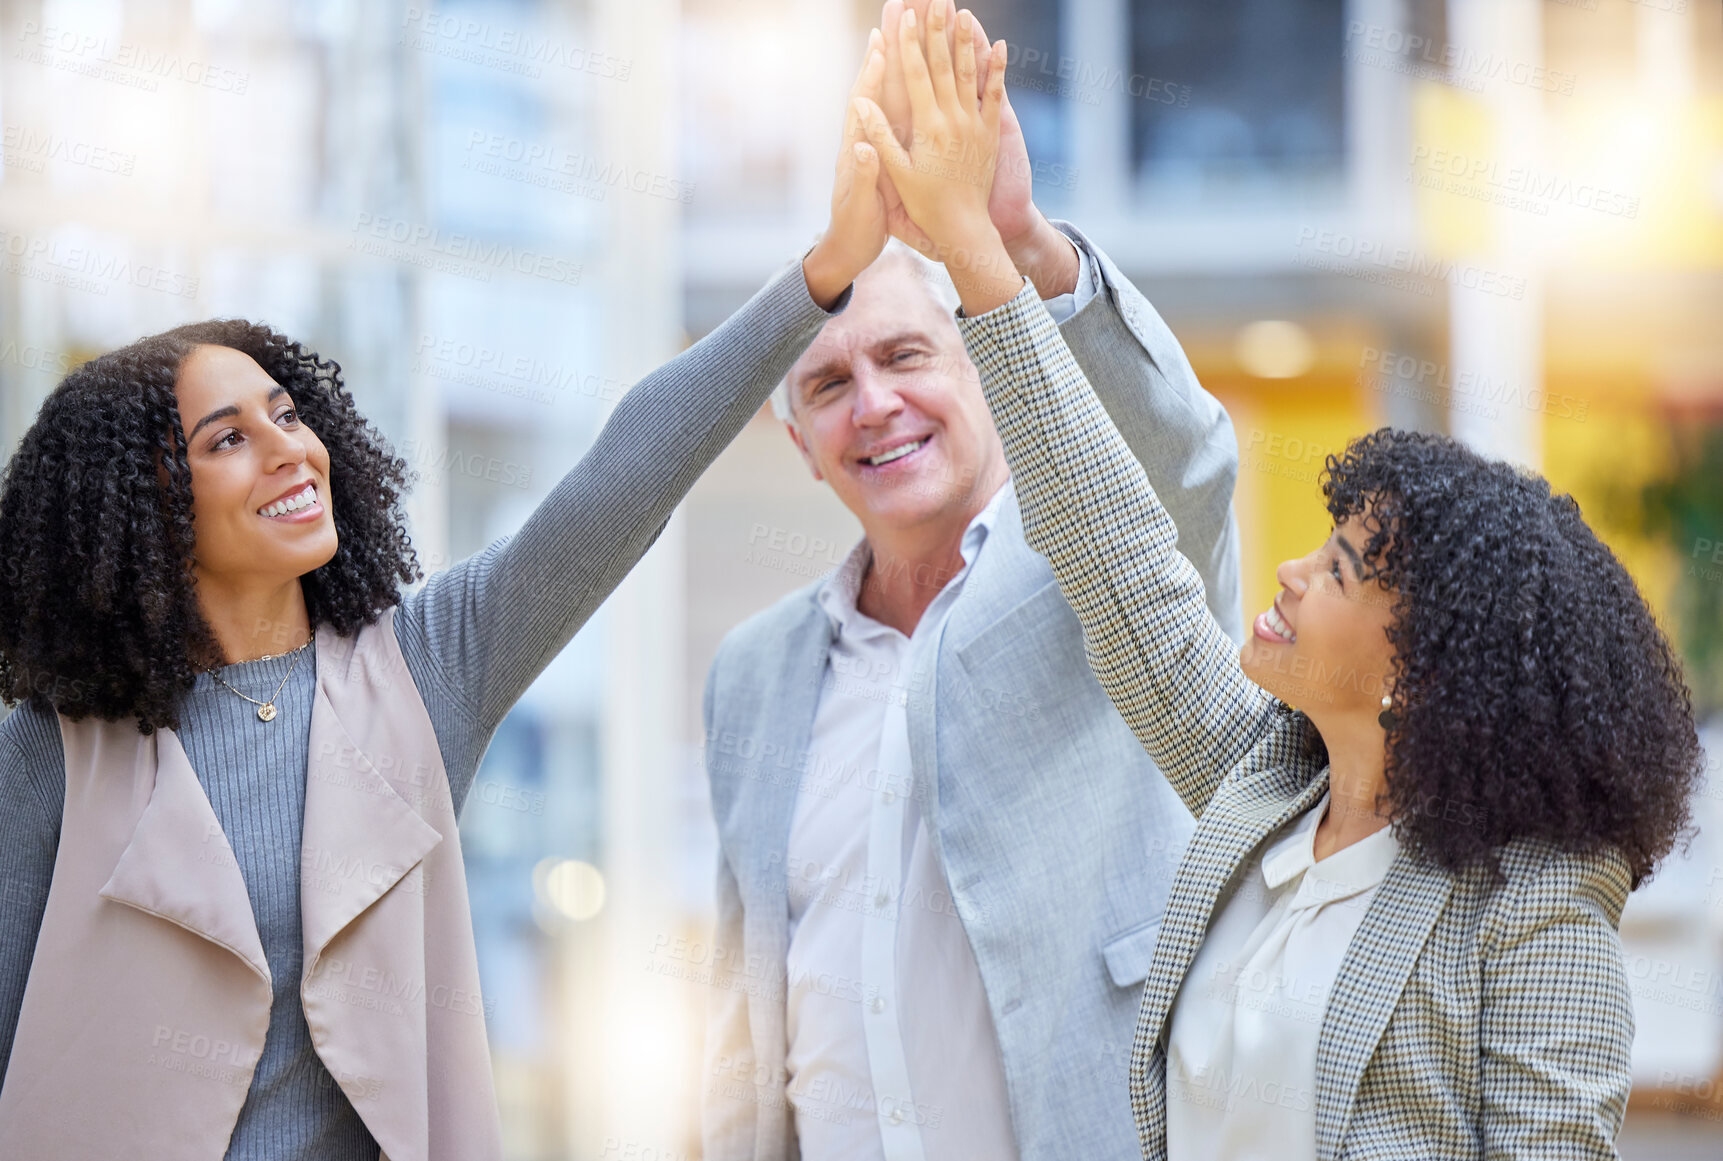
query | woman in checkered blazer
[1394, 932]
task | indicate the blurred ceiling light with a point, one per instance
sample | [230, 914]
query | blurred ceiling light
[575, 890]
[1275, 349]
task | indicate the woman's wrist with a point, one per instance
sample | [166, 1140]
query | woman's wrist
[827, 272]
[981, 268]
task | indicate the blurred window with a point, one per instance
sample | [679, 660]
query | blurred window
[1228, 90]
[1041, 79]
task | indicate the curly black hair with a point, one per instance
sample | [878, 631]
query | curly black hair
[98, 610]
[1535, 696]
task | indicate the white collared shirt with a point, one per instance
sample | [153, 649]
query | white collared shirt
[1241, 1052]
[891, 1053]
[891, 1048]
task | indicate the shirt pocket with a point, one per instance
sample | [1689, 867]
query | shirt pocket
[1128, 956]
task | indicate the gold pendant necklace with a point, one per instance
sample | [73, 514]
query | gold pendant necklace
[266, 709]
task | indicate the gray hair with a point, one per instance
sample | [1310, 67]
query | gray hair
[931, 274]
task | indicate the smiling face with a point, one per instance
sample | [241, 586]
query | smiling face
[259, 477]
[1323, 646]
[889, 411]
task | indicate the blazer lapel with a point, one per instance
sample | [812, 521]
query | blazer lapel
[363, 891]
[1007, 573]
[179, 866]
[360, 838]
[1241, 815]
[789, 702]
[1367, 990]
[766, 808]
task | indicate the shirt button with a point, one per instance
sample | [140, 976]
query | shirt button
[882, 901]
[897, 1116]
[888, 797]
[878, 1004]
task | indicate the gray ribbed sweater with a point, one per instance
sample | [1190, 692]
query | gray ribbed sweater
[475, 636]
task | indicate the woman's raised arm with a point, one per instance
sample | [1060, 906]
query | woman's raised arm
[1089, 509]
[493, 622]
[1087, 504]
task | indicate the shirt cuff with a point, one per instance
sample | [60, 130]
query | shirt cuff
[1064, 306]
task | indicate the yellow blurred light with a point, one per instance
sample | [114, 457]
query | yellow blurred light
[573, 889]
[1275, 349]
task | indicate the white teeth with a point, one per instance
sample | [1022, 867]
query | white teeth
[1278, 624]
[293, 503]
[896, 453]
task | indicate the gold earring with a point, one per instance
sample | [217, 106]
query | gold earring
[1387, 719]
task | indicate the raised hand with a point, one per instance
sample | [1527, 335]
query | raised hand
[1038, 249]
[895, 100]
[945, 172]
[1012, 203]
[945, 175]
[860, 216]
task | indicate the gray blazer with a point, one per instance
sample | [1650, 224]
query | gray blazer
[1470, 1018]
[1057, 834]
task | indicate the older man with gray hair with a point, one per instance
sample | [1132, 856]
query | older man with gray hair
[943, 854]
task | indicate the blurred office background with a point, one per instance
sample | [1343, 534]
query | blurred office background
[1497, 218]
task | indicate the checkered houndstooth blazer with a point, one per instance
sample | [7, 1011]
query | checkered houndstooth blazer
[1471, 1017]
